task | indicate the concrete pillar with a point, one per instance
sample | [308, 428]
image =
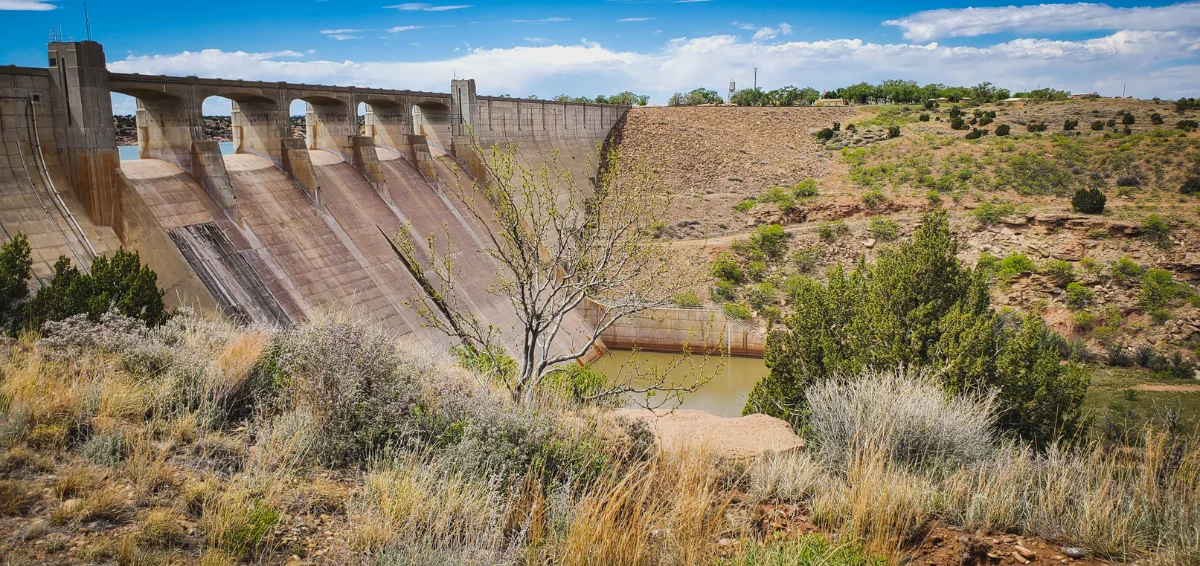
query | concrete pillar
[298, 165]
[84, 132]
[418, 151]
[366, 159]
[208, 168]
[464, 111]
[259, 126]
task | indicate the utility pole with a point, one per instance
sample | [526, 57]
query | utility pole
[756, 78]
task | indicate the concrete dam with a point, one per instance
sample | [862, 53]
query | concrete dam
[284, 228]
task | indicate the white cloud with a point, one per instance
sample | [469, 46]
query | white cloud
[743, 25]
[399, 29]
[26, 5]
[423, 7]
[785, 28]
[626, 20]
[542, 21]
[535, 40]
[341, 34]
[969, 22]
[1159, 63]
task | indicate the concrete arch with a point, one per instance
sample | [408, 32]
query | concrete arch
[431, 118]
[259, 123]
[388, 122]
[329, 120]
[166, 125]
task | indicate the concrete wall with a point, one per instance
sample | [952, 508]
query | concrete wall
[284, 229]
[674, 329]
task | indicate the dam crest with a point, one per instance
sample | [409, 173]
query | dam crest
[284, 228]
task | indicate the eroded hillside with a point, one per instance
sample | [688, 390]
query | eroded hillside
[738, 170]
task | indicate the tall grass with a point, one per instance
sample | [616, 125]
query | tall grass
[236, 428]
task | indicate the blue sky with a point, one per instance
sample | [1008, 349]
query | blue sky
[654, 47]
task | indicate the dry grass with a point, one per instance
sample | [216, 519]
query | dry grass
[667, 511]
[73, 480]
[407, 502]
[238, 522]
[160, 528]
[17, 497]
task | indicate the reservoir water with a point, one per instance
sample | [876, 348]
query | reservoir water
[724, 396]
[130, 152]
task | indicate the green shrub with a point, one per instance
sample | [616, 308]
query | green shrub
[874, 199]
[976, 133]
[1070, 124]
[686, 299]
[883, 229]
[933, 198]
[737, 311]
[1187, 125]
[1083, 320]
[779, 197]
[1059, 270]
[988, 213]
[1110, 123]
[956, 112]
[761, 295]
[16, 267]
[726, 268]
[824, 134]
[1088, 201]
[1013, 264]
[805, 189]
[830, 231]
[893, 132]
[806, 259]
[1159, 289]
[746, 249]
[1036, 127]
[1097, 125]
[1003, 130]
[918, 307]
[1156, 119]
[924, 117]
[577, 382]
[958, 124]
[985, 120]
[1191, 185]
[756, 270]
[1029, 173]
[770, 239]
[106, 449]
[837, 126]
[1078, 296]
[1127, 119]
[745, 205]
[120, 282]
[724, 291]
[1118, 356]
[1157, 228]
[1125, 269]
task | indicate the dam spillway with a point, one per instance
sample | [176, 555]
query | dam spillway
[284, 229]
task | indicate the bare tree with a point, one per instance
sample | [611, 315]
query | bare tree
[558, 244]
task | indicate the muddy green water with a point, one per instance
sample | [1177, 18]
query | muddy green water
[724, 395]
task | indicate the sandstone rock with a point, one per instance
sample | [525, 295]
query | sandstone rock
[740, 437]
